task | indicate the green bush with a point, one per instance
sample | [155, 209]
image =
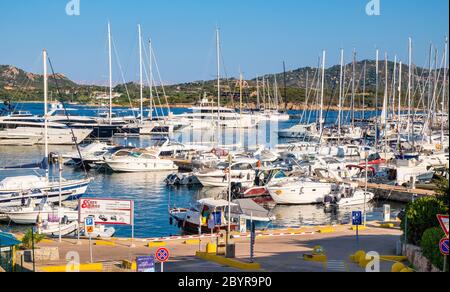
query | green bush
[430, 246]
[421, 216]
[27, 242]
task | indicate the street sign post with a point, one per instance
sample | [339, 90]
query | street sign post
[89, 226]
[443, 246]
[357, 220]
[162, 255]
[443, 220]
[145, 264]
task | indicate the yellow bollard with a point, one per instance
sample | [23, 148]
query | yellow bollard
[397, 267]
[211, 248]
[359, 255]
[406, 270]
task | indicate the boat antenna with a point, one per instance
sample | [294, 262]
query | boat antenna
[66, 113]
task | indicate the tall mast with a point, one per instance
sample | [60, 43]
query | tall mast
[341, 89]
[321, 121]
[377, 87]
[258, 98]
[141, 82]
[394, 91]
[151, 79]
[285, 87]
[353, 88]
[399, 122]
[385, 104]
[444, 90]
[218, 83]
[110, 73]
[44, 59]
[409, 90]
[364, 91]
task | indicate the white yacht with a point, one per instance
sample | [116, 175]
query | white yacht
[138, 160]
[58, 134]
[15, 191]
[207, 116]
[33, 213]
[241, 172]
[300, 192]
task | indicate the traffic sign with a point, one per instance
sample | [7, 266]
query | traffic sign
[162, 255]
[443, 220]
[443, 246]
[357, 218]
[89, 225]
[145, 264]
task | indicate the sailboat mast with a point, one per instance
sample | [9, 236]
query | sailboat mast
[141, 84]
[385, 105]
[151, 79]
[399, 123]
[341, 89]
[364, 91]
[321, 121]
[394, 91]
[218, 83]
[285, 87]
[258, 98]
[353, 88]
[377, 88]
[110, 73]
[444, 90]
[44, 59]
[410, 126]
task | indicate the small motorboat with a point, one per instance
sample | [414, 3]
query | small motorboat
[348, 197]
[54, 229]
[179, 179]
[100, 231]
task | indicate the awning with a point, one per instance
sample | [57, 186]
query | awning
[7, 240]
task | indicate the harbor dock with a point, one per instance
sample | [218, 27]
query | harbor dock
[275, 251]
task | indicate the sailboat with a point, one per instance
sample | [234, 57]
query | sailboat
[14, 191]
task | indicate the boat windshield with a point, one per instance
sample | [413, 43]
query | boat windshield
[223, 165]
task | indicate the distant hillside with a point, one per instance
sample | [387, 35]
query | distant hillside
[19, 85]
[12, 78]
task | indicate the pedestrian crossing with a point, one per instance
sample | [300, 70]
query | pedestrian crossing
[336, 266]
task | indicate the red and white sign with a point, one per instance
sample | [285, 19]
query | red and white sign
[107, 211]
[443, 220]
[162, 255]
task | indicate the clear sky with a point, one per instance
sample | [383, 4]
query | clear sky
[257, 35]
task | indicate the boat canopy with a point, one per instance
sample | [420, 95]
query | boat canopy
[215, 203]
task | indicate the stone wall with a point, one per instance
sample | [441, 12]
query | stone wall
[420, 263]
[42, 255]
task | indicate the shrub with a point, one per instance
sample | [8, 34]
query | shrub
[27, 242]
[430, 246]
[421, 216]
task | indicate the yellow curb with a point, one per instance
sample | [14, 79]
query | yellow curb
[156, 244]
[128, 265]
[191, 242]
[229, 262]
[104, 243]
[81, 268]
[326, 230]
[315, 258]
[360, 228]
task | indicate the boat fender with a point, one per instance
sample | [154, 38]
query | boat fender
[170, 221]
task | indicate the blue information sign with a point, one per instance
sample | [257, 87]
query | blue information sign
[357, 218]
[145, 264]
[443, 246]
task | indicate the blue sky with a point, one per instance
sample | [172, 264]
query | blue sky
[257, 35]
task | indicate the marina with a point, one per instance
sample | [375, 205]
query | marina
[341, 165]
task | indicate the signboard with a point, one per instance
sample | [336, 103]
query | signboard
[107, 211]
[145, 264]
[443, 220]
[357, 218]
[89, 225]
[162, 255]
[443, 246]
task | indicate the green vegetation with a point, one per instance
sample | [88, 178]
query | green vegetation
[27, 242]
[430, 246]
[421, 216]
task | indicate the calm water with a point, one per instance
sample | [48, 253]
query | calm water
[152, 197]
